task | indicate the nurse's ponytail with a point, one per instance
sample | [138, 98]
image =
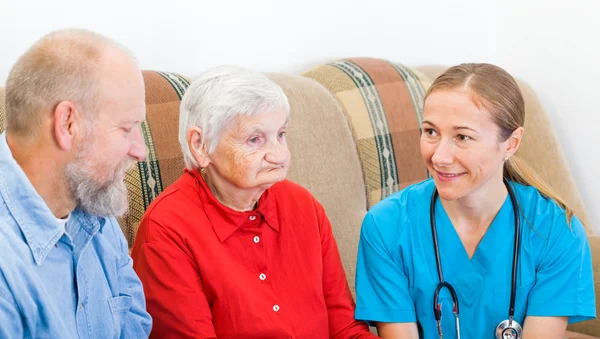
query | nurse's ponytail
[515, 169]
[497, 92]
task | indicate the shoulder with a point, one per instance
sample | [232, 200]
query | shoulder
[289, 188]
[397, 213]
[173, 212]
[545, 221]
[290, 194]
[402, 204]
[179, 196]
[13, 245]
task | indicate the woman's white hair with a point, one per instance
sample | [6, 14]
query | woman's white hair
[217, 97]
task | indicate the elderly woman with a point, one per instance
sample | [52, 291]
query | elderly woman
[232, 249]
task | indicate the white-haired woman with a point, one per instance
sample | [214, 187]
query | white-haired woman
[232, 249]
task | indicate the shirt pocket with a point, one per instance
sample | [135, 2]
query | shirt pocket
[119, 306]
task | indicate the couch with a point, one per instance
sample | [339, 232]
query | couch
[354, 139]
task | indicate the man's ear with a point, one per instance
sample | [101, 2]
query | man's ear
[67, 119]
[197, 147]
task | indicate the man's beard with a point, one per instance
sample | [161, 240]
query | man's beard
[107, 198]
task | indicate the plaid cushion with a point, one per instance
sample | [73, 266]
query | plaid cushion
[383, 103]
[2, 109]
[164, 161]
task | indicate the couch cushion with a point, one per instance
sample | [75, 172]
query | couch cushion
[2, 109]
[164, 160]
[324, 161]
[383, 103]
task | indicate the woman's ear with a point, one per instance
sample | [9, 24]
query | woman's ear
[514, 141]
[197, 147]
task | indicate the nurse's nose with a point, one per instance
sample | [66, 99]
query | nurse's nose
[444, 153]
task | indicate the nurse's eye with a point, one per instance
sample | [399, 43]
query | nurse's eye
[462, 137]
[430, 132]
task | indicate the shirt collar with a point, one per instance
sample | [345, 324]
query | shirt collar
[38, 224]
[224, 220]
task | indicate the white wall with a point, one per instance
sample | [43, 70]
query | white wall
[552, 51]
[188, 36]
[554, 46]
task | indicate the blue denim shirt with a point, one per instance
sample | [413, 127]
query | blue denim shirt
[77, 283]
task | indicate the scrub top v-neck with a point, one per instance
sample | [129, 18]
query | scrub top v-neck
[396, 270]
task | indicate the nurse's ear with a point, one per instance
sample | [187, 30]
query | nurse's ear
[513, 142]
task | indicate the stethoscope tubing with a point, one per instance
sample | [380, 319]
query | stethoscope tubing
[443, 284]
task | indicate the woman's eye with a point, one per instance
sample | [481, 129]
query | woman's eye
[430, 132]
[462, 137]
[281, 134]
[253, 140]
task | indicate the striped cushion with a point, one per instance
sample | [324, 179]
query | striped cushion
[383, 103]
[164, 161]
[2, 109]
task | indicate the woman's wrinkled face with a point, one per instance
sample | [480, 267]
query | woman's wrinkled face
[460, 144]
[252, 151]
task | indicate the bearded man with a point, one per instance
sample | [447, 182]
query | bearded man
[74, 104]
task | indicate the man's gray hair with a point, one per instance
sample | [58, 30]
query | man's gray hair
[217, 97]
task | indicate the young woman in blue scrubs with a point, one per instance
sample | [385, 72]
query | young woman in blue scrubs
[472, 126]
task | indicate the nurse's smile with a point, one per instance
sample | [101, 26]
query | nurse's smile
[448, 177]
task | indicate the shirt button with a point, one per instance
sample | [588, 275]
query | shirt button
[276, 308]
[252, 217]
[256, 239]
[262, 276]
[81, 307]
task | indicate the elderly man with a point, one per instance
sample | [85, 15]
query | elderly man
[74, 103]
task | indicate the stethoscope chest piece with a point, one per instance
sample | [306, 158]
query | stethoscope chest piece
[508, 329]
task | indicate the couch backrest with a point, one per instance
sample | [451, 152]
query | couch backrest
[2, 109]
[164, 160]
[353, 136]
[383, 103]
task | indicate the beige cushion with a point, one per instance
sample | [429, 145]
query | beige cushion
[2, 109]
[324, 160]
[383, 105]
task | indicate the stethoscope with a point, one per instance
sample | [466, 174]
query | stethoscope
[507, 329]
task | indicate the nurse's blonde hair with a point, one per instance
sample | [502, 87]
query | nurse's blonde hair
[496, 91]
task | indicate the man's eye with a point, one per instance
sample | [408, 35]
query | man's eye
[253, 140]
[281, 134]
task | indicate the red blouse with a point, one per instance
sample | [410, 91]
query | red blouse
[209, 271]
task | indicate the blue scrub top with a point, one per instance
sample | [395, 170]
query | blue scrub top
[396, 273]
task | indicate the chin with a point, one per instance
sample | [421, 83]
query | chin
[449, 192]
[448, 195]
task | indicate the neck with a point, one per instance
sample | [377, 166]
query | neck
[475, 212]
[45, 172]
[238, 199]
